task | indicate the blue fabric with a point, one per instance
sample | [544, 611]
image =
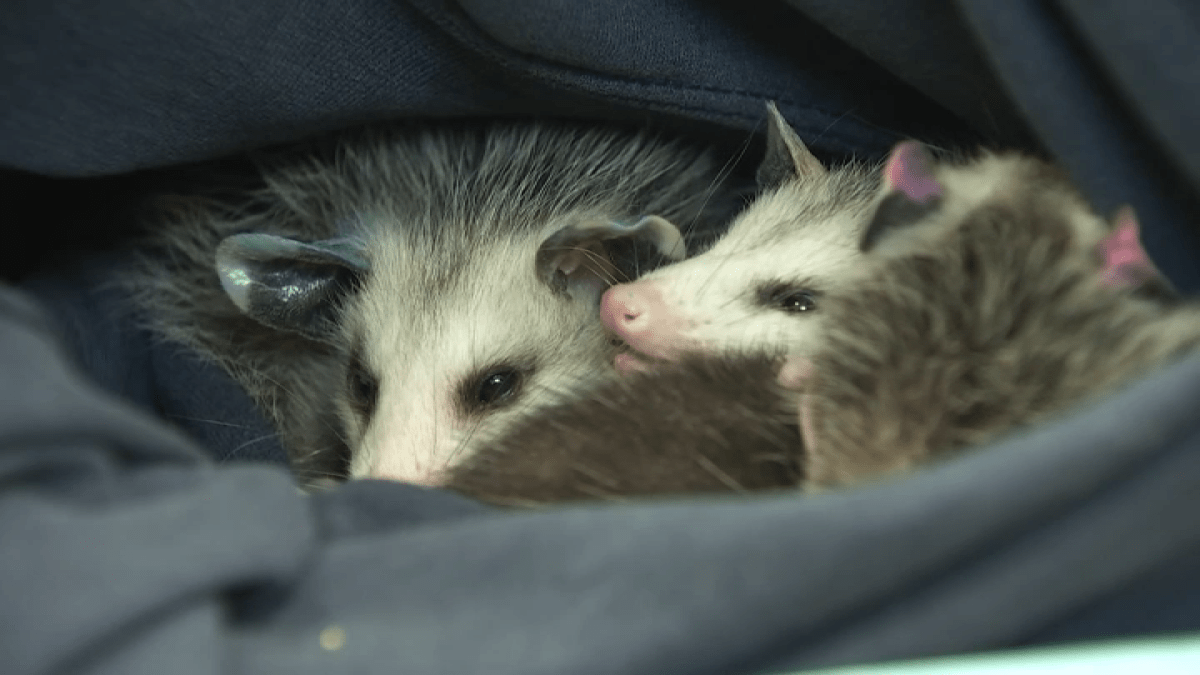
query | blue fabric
[104, 333]
[150, 86]
[124, 548]
[126, 551]
[1081, 110]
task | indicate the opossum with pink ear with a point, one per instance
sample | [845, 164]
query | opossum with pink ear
[395, 303]
[991, 297]
[988, 296]
[761, 285]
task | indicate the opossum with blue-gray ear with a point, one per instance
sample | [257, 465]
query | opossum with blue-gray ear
[988, 297]
[394, 303]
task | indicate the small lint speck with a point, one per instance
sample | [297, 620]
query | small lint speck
[333, 638]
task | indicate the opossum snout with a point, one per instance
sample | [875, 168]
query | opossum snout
[629, 309]
[637, 314]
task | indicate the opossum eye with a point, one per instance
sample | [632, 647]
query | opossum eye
[363, 386]
[790, 299]
[802, 301]
[496, 386]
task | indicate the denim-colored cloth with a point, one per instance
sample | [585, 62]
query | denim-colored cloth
[125, 549]
[101, 87]
[106, 338]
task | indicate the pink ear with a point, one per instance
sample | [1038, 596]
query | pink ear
[1125, 261]
[909, 170]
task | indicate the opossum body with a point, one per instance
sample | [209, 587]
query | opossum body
[988, 297]
[761, 286]
[394, 305]
[704, 425]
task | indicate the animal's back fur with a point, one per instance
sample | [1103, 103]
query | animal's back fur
[702, 426]
[991, 320]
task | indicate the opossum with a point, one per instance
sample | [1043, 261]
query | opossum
[394, 305]
[987, 297]
[763, 283]
[993, 298]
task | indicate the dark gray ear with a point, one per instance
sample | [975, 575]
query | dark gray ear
[582, 260]
[787, 157]
[291, 285]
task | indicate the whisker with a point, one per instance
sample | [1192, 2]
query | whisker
[716, 472]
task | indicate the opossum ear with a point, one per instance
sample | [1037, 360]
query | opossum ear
[290, 285]
[911, 192]
[1124, 261]
[787, 158]
[584, 259]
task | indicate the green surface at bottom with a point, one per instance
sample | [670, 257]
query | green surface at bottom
[1177, 654]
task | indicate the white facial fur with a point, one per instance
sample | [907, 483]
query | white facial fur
[803, 235]
[425, 332]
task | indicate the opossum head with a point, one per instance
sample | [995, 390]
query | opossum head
[445, 343]
[990, 295]
[761, 287]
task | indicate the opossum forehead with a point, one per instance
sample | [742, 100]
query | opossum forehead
[1002, 178]
[795, 234]
[1017, 185]
[813, 256]
[447, 351]
[830, 207]
[485, 306]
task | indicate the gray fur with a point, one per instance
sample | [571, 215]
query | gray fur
[705, 425]
[448, 221]
[984, 316]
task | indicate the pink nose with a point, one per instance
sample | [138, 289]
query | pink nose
[631, 310]
[639, 314]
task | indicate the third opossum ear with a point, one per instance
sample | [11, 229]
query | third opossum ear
[911, 192]
[291, 285]
[582, 260]
[787, 158]
[1124, 261]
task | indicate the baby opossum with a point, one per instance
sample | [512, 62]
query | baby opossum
[395, 305]
[988, 296]
[991, 297]
[764, 281]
